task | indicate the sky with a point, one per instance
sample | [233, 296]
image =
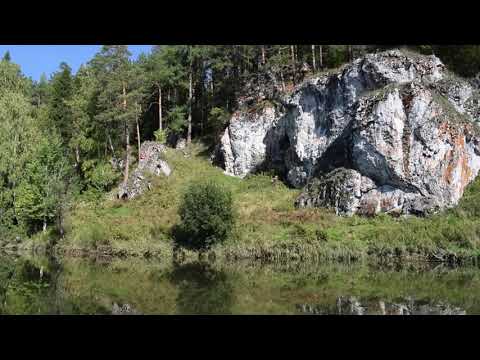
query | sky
[37, 59]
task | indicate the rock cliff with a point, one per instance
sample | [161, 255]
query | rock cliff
[390, 132]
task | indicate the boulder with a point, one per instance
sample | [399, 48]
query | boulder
[151, 162]
[181, 144]
[390, 132]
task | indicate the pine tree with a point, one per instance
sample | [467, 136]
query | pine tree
[61, 91]
[118, 94]
[7, 57]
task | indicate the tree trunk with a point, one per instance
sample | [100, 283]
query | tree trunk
[111, 145]
[350, 53]
[138, 134]
[313, 58]
[14, 183]
[263, 54]
[127, 150]
[190, 98]
[160, 119]
[204, 108]
[321, 57]
[281, 72]
[77, 157]
[211, 84]
[44, 225]
[283, 81]
[292, 49]
[127, 137]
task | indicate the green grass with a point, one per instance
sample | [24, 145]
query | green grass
[268, 226]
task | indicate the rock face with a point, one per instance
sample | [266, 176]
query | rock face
[391, 132]
[181, 144]
[151, 162]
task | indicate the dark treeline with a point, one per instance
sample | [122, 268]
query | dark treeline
[79, 134]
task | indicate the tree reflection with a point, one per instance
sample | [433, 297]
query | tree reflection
[202, 289]
[25, 286]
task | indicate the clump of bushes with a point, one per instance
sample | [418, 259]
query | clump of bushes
[207, 216]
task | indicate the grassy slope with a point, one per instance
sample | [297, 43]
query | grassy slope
[268, 226]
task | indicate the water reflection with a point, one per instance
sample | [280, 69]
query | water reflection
[26, 285]
[202, 289]
[36, 285]
[351, 305]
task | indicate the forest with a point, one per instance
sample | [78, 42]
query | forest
[76, 135]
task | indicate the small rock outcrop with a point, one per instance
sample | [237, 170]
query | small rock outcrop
[125, 309]
[181, 144]
[390, 132]
[151, 162]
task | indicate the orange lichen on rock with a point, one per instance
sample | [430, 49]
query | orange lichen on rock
[459, 162]
[467, 172]
[448, 174]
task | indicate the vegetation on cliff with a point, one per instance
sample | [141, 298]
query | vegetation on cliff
[68, 140]
[267, 225]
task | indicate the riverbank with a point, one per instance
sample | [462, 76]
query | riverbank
[268, 226]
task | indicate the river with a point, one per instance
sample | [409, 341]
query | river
[42, 285]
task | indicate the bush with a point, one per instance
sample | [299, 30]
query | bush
[92, 236]
[206, 214]
[160, 136]
[100, 175]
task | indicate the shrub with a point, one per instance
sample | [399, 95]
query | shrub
[206, 214]
[93, 235]
[160, 136]
[99, 175]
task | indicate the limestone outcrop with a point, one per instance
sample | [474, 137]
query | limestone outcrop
[390, 132]
[151, 163]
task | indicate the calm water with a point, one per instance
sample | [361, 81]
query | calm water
[35, 285]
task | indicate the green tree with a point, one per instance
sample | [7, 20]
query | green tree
[17, 134]
[61, 92]
[40, 91]
[42, 189]
[119, 94]
[206, 214]
[12, 80]
[161, 73]
[7, 57]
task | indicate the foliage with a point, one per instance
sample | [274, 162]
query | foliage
[41, 190]
[206, 214]
[99, 175]
[67, 134]
[217, 120]
[160, 136]
[177, 120]
[59, 112]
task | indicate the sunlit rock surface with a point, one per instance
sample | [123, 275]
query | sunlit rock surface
[151, 162]
[390, 132]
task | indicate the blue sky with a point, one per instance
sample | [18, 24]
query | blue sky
[37, 59]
